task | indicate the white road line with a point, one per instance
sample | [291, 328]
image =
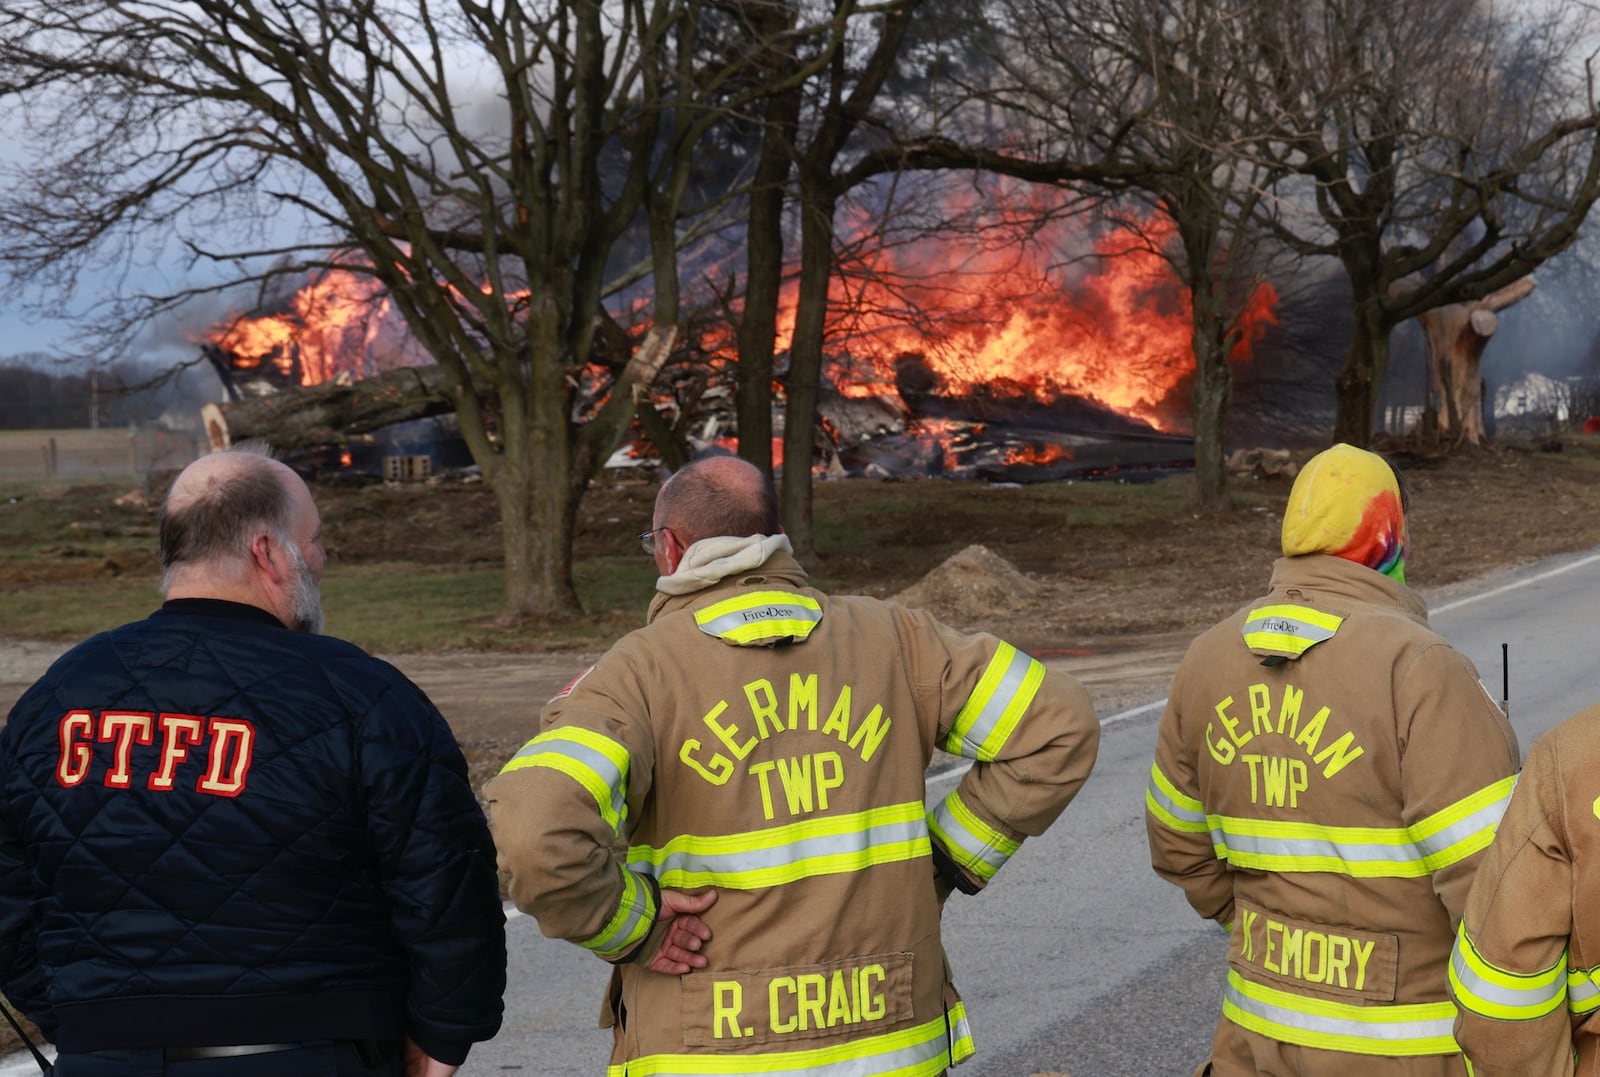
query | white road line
[1134, 712]
[1503, 588]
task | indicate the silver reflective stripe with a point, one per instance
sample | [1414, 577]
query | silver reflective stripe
[729, 622]
[1326, 848]
[1501, 995]
[1581, 993]
[975, 847]
[1376, 1029]
[793, 852]
[612, 941]
[587, 757]
[959, 1028]
[1005, 692]
[1485, 818]
[1180, 811]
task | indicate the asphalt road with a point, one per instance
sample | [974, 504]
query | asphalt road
[1079, 960]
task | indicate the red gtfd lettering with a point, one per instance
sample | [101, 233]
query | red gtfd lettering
[77, 728]
[122, 729]
[232, 742]
[229, 746]
[178, 732]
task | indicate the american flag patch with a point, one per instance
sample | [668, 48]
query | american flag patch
[567, 691]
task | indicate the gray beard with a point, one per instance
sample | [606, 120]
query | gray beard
[305, 598]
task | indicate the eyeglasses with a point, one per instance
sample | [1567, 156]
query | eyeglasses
[647, 539]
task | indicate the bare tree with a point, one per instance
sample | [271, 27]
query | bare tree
[849, 132]
[1445, 149]
[1157, 85]
[503, 168]
[765, 247]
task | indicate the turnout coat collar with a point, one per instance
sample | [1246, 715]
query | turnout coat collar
[1334, 580]
[779, 570]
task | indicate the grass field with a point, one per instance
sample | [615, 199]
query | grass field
[417, 568]
[76, 455]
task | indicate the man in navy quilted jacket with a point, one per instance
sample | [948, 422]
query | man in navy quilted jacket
[232, 846]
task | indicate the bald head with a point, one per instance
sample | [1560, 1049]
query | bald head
[217, 505]
[717, 496]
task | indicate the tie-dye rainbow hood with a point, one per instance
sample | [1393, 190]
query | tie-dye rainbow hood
[1346, 502]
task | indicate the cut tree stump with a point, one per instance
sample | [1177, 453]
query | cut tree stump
[1456, 336]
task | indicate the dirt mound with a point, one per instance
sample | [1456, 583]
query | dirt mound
[969, 587]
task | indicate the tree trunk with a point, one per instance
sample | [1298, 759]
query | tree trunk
[1456, 338]
[531, 479]
[805, 368]
[1212, 390]
[764, 280]
[304, 417]
[1358, 382]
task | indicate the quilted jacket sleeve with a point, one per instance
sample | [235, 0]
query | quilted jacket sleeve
[1181, 849]
[437, 863]
[562, 808]
[21, 979]
[1033, 736]
[1509, 970]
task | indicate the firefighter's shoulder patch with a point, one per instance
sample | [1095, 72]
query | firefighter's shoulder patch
[570, 685]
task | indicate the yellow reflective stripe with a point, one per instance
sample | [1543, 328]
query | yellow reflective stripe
[1444, 838]
[1177, 810]
[991, 712]
[1465, 827]
[1405, 1030]
[1486, 989]
[972, 843]
[1287, 628]
[961, 1046]
[925, 1050]
[1583, 991]
[593, 760]
[760, 615]
[1277, 845]
[1328, 622]
[786, 854]
[629, 924]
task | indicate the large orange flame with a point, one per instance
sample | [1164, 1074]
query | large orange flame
[1039, 311]
[332, 326]
[1115, 329]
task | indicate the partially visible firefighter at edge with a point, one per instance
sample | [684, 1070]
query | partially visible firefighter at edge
[729, 806]
[1327, 774]
[1526, 969]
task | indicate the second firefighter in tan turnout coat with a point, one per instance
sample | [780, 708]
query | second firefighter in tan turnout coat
[1526, 969]
[1327, 773]
[730, 805]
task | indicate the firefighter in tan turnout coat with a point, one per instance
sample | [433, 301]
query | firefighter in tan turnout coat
[729, 806]
[1327, 773]
[1526, 967]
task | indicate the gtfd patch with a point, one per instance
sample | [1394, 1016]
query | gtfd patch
[567, 691]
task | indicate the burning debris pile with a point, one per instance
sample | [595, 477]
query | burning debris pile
[982, 363]
[1001, 431]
